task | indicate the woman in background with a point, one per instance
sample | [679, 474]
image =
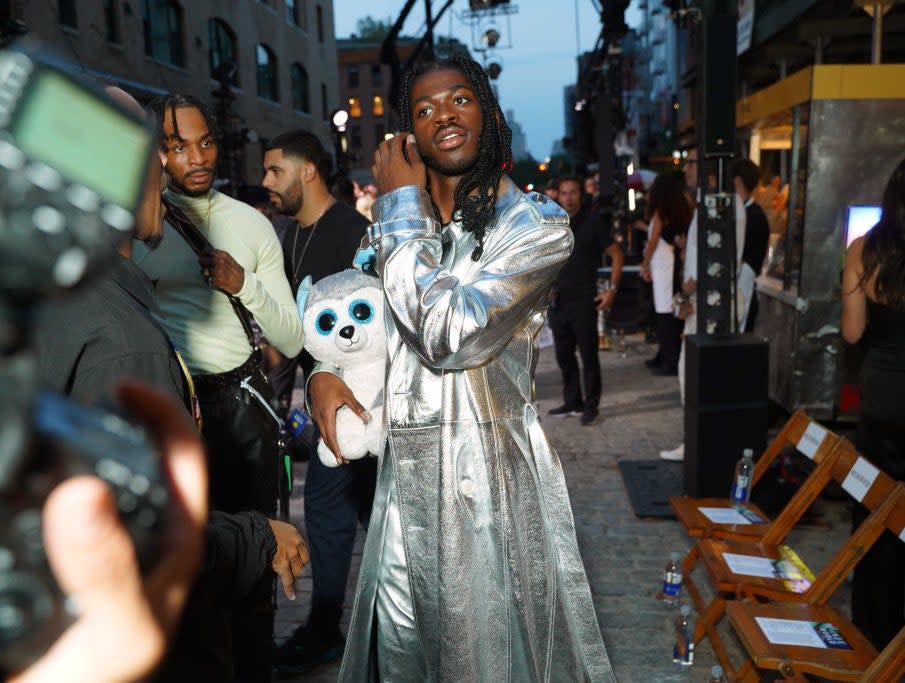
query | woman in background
[873, 308]
[669, 214]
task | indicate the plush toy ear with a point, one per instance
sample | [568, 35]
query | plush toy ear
[301, 297]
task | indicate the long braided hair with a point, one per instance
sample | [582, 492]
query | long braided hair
[476, 193]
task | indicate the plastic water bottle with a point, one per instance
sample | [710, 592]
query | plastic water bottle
[672, 579]
[741, 482]
[716, 674]
[683, 649]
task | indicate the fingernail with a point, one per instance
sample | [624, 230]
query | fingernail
[410, 139]
[367, 416]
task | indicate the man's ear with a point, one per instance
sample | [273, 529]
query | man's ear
[309, 171]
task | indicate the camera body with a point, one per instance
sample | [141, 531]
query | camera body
[72, 170]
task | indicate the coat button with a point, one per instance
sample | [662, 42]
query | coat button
[466, 487]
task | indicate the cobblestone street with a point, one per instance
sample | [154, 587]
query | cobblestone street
[624, 556]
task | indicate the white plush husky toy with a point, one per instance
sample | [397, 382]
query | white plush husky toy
[342, 319]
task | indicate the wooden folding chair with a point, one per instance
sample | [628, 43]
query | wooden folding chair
[813, 638]
[800, 431]
[862, 480]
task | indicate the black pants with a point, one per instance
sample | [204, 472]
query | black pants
[337, 499]
[573, 321]
[669, 334]
[243, 466]
[878, 585]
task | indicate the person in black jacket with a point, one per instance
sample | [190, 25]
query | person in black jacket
[88, 344]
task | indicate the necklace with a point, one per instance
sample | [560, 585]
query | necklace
[296, 280]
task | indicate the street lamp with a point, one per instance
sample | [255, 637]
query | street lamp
[339, 120]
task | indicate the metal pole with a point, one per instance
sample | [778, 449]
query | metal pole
[429, 33]
[876, 51]
[792, 224]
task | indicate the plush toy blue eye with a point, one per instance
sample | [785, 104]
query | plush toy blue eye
[325, 322]
[361, 310]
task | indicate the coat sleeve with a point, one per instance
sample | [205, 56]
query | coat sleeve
[267, 295]
[238, 553]
[462, 321]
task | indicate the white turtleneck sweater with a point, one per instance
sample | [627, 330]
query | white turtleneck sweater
[200, 320]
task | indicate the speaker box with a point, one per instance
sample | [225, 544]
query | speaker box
[718, 86]
[725, 408]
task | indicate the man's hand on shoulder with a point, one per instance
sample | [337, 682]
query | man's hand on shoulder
[393, 170]
[221, 271]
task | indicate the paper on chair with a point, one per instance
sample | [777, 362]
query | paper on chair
[860, 478]
[724, 515]
[811, 439]
[750, 565]
[802, 633]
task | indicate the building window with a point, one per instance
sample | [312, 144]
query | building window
[66, 13]
[320, 24]
[354, 107]
[355, 137]
[300, 99]
[292, 12]
[352, 76]
[377, 106]
[163, 31]
[324, 101]
[376, 75]
[222, 52]
[379, 131]
[267, 73]
[111, 26]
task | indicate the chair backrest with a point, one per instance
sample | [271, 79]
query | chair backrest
[804, 434]
[810, 488]
[882, 495]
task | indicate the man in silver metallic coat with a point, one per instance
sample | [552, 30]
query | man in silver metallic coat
[471, 570]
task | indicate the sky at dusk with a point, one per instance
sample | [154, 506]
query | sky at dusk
[539, 64]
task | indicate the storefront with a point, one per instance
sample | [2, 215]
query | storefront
[839, 130]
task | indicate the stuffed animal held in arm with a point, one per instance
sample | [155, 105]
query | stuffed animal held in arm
[342, 319]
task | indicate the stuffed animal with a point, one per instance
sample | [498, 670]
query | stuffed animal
[342, 319]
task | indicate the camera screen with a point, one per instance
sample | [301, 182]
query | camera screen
[85, 139]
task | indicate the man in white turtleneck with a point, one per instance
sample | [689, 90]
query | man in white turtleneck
[245, 260]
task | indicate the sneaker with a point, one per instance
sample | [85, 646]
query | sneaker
[677, 454]
[564, 411]
[304, 651]
[588, 417]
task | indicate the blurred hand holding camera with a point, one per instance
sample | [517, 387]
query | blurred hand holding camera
[124, 619]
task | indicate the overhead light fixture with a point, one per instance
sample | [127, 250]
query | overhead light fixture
[491, 37]
[494, 69]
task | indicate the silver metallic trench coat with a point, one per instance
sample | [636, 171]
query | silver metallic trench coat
[498, 586]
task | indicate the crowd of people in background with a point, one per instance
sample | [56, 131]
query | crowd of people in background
[200, 304]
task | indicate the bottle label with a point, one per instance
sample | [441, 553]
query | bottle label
[683, 649]
[740, 490]
[671, 590]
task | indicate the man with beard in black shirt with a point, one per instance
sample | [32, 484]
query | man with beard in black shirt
[328, 233]
[573, 312]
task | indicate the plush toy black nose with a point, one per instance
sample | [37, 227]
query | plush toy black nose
[347, 332]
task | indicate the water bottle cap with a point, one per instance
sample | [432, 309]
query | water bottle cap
[674, 556]
[716, 671]
[748, 452]
[685, 610]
